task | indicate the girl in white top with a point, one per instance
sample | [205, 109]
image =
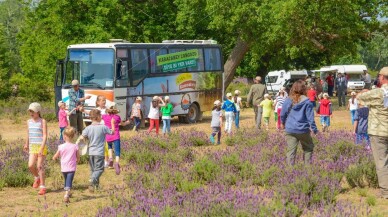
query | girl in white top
[154, 113]
[352, 106]
[238, 104]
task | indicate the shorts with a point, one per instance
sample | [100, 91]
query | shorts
[216, 129]
[116, 145]
[34, 149]
[325, 120]
[266, 120]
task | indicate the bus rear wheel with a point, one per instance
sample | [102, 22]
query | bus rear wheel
[193, 114]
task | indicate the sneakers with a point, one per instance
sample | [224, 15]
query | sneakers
[36, 183]
[218, 143]
[212, 139]
[110, 163]
[42, 191]
[66, 198]
[106, 165]
[117, 168]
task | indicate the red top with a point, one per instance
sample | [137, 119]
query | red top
[324, 107]
[330, 80]
[312, 95]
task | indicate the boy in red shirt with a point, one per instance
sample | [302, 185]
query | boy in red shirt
[312, 95]
[325, 111]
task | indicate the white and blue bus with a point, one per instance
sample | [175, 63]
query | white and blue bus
[190, 72]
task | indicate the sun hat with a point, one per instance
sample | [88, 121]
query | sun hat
[325, 95]
[229, 95]
[237, 92]
[353, 93]
[75, 83]
[60, 103]
[112, 108]
[384, 71]
[139, 98]
[35, 107]
[217, 102]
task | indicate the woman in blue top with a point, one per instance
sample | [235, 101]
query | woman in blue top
[230, 110]
[297, 118]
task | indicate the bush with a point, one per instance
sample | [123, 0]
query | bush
[205, 170]
[362, 174]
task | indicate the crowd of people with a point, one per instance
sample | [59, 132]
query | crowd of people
[293, 112]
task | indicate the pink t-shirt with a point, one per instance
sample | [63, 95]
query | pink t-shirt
[68, 153]
[62, 116]
[107, 118]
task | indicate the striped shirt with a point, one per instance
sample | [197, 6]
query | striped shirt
[279, 102]
[35, 131]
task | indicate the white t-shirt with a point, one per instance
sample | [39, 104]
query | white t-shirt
[154, 112]
[353, 106]
[237, 104]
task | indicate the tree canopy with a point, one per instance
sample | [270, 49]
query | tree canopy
[256, 35]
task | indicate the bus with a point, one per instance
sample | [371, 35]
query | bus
[190, 72]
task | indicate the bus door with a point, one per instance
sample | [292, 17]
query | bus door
[120, 90]
[58, 84]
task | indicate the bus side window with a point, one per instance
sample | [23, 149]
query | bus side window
[212, 57]
[140, 65]
[153, 60]
[200, 63]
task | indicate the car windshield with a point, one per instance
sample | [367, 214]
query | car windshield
[92, 67]
[354, 77]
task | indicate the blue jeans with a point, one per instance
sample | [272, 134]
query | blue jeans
[137, 122]
[68, 176]
[117, 148]
[61, 129]
[166, 126]
[360, 137]
[96, 164]
[237, 119]
[352, 113]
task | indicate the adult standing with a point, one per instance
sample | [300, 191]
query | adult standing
[367, 79]
[341, 86]
[255, 97]
[76, 100]
[377, 101]
[330, 84]
[297, 116]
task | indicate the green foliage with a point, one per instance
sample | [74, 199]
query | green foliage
[205, 170]
[362, 175]
[371, 200]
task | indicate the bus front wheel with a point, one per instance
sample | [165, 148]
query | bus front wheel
[193, 114]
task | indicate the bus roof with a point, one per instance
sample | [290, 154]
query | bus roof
[194, 43]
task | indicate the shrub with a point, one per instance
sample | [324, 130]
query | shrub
[362, 174]
[205, 170]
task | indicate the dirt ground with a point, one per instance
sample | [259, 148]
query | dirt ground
[26, 202]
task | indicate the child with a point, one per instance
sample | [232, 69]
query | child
[216, 122]
[69, 158]
[101, 105]
[36, 146]
[136, 113]
[325, 111]
[352, 106]
[267, 108]
[278, 107]
[113, 121]
[238, 104]
[360, 127]
[166, 115]
[62, 117]
[230, 109]
[312, 95]
[95, 132]
[153, 114]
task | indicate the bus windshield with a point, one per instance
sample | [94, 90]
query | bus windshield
[92, 67]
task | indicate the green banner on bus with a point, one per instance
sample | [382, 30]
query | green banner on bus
[177, 57]
[179, 65]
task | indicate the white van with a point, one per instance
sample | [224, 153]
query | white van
[353, 74]
[276, 79]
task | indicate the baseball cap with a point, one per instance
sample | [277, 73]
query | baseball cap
[325, 95]
[75, 83]
[384, 71]
[266, 95]
[166, 98]
[35, 107]
[353, 93]
[236, 92]
[155, 98]
[217, 102]
[139, 98]
[228, 94]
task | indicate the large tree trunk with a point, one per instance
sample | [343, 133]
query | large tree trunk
[234, 59]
